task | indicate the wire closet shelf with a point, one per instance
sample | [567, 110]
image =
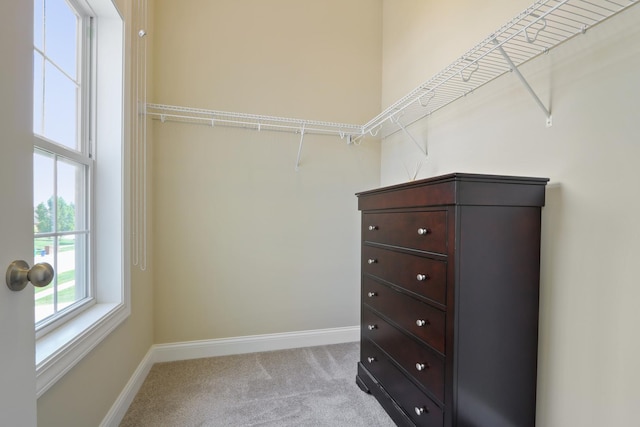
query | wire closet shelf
[250, 121]
[541, 27]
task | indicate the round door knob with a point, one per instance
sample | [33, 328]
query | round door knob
[372, 261]
[373, 227]
[372, 327]
[372, 294]
[371, 359]
[421, 366]
[19, 274]
[423, 231]
[422, 277]
[421, 322]
[421, 410]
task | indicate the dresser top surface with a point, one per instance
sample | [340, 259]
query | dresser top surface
[461, 177]
[458, 188]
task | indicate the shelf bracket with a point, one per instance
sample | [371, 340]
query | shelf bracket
[396, 120]
[300, 148]
[526, 84]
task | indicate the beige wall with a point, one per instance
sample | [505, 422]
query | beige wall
[244, 244]
[85, 394]
[421, 37]
[316, 60]
[588, 370]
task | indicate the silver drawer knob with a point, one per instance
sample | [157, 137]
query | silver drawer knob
[373, 227]
[372, 261]
[423, 231]
[372, 294]
[371, 359]
[422, 277]
[421, 322]
[421, 410]
[372, 327]
[421, 366]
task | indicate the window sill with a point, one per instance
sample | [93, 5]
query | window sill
[59, 350]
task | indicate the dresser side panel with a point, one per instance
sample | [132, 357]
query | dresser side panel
[497, 316]
[481, 193]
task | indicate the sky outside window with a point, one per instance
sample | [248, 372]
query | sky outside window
[56, 82]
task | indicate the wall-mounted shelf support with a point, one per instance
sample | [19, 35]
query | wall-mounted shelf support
[300, 148]
[396, 120]
[524, 81]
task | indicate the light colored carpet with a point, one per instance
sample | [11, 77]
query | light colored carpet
[308, 387]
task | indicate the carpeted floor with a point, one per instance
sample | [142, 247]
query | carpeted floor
[307, 387]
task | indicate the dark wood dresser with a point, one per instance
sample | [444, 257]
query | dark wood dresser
[450, 280]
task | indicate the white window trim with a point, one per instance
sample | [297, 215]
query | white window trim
[61, 349]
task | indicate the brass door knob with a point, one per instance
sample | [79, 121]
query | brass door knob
[19, 274]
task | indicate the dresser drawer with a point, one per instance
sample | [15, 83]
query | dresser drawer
[424, 276]
[418, 406]
[422, 320]
[426, 231]
[424, 365]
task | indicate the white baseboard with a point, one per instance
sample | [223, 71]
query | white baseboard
[120, 406]
[221, 347]
[253, 344]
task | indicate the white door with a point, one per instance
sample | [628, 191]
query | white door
[17, 340]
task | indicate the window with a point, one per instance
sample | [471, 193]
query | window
[80, 186]
[62, 157]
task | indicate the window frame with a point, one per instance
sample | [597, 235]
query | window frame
[65, 345]
[63, 315]
[82, 155]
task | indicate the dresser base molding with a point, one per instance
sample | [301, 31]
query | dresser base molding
[368, 384]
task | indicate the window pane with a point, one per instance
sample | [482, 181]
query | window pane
[38, 92]
[60, 209]
[70, 191]
[42, 192]
[60, 107]
[38, 24]
[44, 297]
[61, 25]
[71, 278]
